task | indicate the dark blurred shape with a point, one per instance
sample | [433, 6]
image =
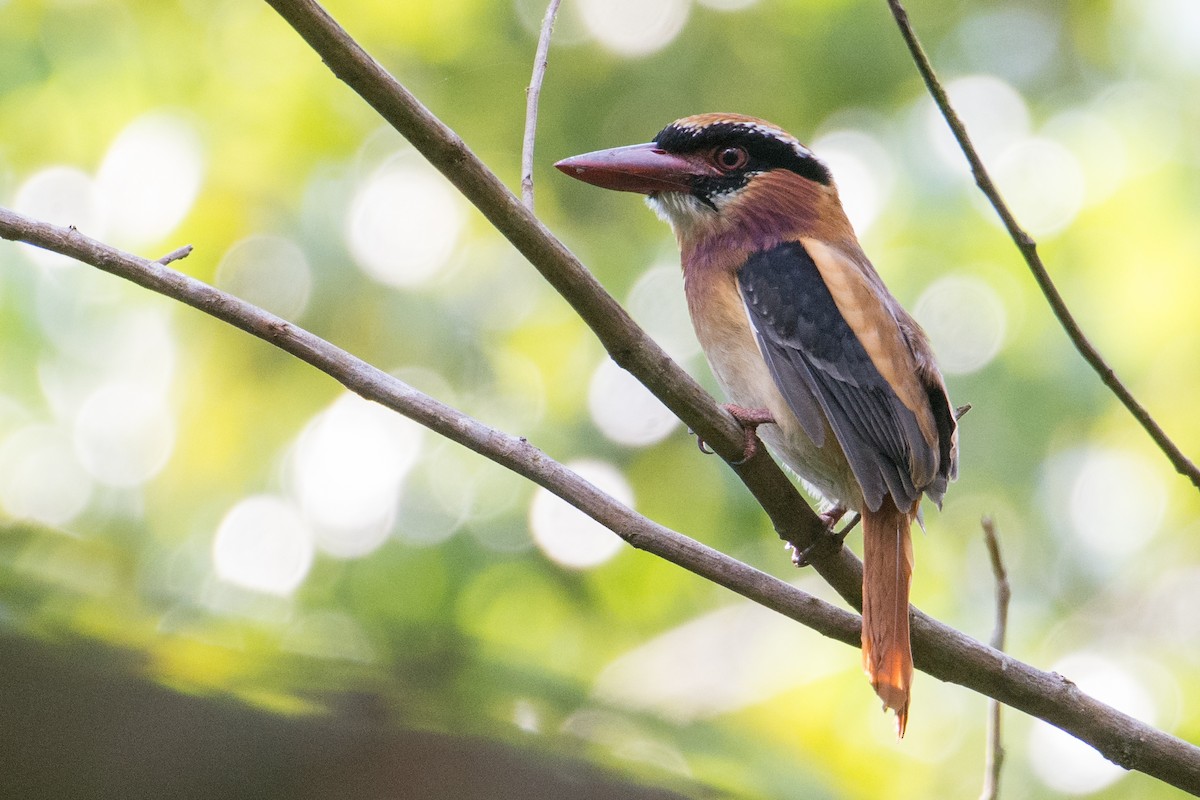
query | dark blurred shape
[77, 723]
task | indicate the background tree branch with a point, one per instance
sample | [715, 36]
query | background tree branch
[511, 452]
[940, 650]
[625, 341]
[236, 525]
[1028, 249]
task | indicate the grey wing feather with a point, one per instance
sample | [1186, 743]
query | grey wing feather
[814, 355]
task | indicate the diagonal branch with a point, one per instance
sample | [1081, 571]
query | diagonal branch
[511, 452]
[626, 343]
[941, 651]
[1028, 247]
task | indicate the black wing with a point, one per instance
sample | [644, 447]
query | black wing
[812, 352]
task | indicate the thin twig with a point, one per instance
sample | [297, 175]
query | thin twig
[1003, 590]
[939, 650]
[540, 61]
[994, 758]
[176, 254]
[1028, 248]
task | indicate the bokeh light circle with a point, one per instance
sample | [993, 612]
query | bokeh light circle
[863, 171]
[404, 222]
[634, 27]
[624, 410]
[149, 178]
[271, 272]
[264, 544]
[1042, 181]
[1170, 31]
[1117, 502]
[347, 472]
[568, 536]
[124, 434]
[994, 112]
[40, 477]
[965, 320]
[1063, 762]
[62, 196]
[657, 302]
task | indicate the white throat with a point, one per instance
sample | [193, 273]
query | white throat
[683, 212]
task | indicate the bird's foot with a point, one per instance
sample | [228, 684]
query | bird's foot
[749, 419]
[830, 518]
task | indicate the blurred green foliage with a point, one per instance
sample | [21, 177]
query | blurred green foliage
[452, 615]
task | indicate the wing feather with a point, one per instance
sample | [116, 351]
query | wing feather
[814, 354]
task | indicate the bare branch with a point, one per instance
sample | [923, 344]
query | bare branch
[939, 650]
[511, 452]
[626, 343]
[994, 759]
[1028, 248]
[540, 61]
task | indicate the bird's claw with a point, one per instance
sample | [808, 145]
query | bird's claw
[750, 449]
[800, 557]
[749, 419]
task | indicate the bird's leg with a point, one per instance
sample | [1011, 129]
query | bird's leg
[749, 419]
[832, 516]
[829, 518]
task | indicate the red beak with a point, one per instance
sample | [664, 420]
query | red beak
[641, 168]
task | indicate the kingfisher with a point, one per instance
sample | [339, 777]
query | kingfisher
[812, 351]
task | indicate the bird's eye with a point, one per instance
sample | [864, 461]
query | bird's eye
[731, 158]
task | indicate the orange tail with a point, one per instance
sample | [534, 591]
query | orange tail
[887, 572]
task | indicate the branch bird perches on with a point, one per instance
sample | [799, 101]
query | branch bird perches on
[940, 651]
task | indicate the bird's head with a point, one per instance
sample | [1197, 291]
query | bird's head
[707, 173]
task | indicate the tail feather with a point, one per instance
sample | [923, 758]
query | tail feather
[887, 573]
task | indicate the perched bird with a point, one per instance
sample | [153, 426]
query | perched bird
[805, 340]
